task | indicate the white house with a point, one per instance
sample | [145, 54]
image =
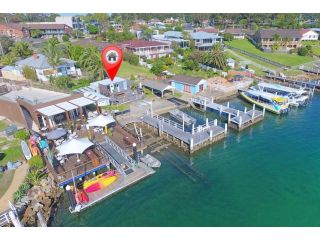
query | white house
[44, 70]
[309, 35]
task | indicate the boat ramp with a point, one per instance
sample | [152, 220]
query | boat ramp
[176, 133]
[237, 119]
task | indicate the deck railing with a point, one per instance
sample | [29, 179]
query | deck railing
[168, 121]
[120, 151]
[112, 160]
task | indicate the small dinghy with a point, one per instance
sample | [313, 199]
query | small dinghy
[151, 161]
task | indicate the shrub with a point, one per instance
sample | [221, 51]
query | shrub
[36, 162]
[29, 73]
[22, 134]
[131, 58]
[65, 38]
[24, 187]
[34, 177]
[17, 196]
[303, 51]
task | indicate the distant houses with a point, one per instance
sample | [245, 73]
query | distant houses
[205, 41]
[43, 69]
[21, 30]
[188, 84]
[287, 38]
[202, 40]
[237, 33]
[147, 49]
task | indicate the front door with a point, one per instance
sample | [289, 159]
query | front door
[201, 87]
[186, 88]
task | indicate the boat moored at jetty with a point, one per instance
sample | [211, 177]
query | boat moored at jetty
[296, 97]
[271, 102]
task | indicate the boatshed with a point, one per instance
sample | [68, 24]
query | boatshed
[158, 86]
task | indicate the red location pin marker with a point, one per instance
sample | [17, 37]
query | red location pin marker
[112, 59]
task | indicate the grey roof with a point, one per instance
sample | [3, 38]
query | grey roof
[269, 33]
[186, 79]
[204, 35]
[157, 85]
[173, 34]
[39, 61]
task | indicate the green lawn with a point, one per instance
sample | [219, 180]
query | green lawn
[3, 126]
[283, 58]
[9, 151]
[177, 69]
[315, 46]
[5, 181]
[126, 70]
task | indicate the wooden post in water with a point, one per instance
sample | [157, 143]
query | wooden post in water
[211, 134]
[205, 105]
[254, 107]
[240, 122]
[207, 122]
[191, 144]
[215, 122]
[245, 110]
[182, 122]
[263, 111]
[228, 104]
[238, 112]
[192, 129]
[225, 128]
[229, 117]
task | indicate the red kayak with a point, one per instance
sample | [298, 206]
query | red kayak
[81, 197]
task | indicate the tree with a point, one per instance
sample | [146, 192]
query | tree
[21, 49]
[190, 65]
[77, 34]
[36, 33]
[305, 51]
[146, 33]
[6, 42]
[228, 37]
[61, 82]
[91, 61]
[65, 38]
[131, 58]
[216, 57]
[21, 134]
[187, 36]
[8, 59]
[92, 29]
[29, 73]
[158, 67]
[71, 51]
[53, 51]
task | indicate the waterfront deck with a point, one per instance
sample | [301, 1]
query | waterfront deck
[200, 136]
[139, 172]
[237, 119]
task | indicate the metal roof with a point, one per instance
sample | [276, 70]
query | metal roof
[204, 35]
[66, 106]
[173, 34]
[82, 101]
[157, 85]
[50, 110]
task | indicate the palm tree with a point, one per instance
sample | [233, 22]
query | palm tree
[53, 52]
[91, 61]
[216, 57]
[21, 49]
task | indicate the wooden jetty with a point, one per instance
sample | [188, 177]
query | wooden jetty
[176, 133]
[129, 172]
[140, 172]
[237, 119]
[312, 84]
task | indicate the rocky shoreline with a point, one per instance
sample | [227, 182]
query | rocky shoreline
[38, 206]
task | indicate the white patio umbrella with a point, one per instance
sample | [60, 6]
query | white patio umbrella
[74, 146]
[100, 121]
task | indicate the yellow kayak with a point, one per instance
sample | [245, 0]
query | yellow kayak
[99, 182]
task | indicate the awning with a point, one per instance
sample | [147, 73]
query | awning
[100, 121]
[66, 106]
[82, 101]
[74, 146]
[51, 110]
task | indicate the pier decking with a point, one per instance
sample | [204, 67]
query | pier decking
[237, 119]
[140, 172]
[200, 136]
